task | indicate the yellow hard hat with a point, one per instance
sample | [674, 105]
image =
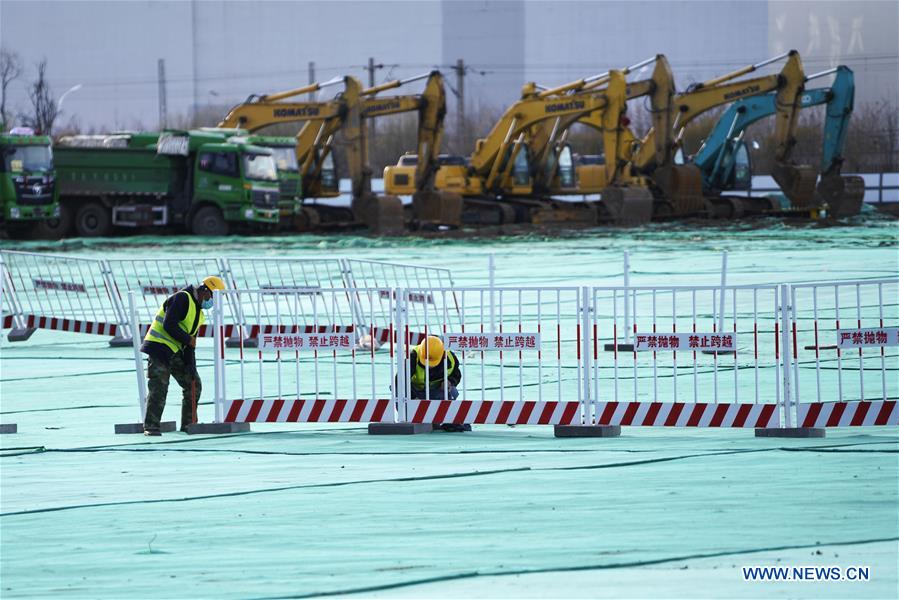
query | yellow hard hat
[430, 350]
[213, 283]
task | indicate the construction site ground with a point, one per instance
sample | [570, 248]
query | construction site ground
[294, 511]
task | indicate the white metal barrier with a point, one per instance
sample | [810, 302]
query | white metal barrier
[696, 356]
[700, 356]
[64, 293]
[307, 366]
[845, 359]
[90, 295]
[152, 280]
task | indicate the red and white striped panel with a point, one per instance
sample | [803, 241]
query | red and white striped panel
[680, 414]
[254, 331]
[507, 412]
[71, 325]
[848, 414]
[308, 411]
[7, 322]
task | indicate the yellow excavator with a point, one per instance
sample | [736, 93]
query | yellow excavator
[314, 145]
[679, 187]
[554, 169]
[498, 186]
[430, 207]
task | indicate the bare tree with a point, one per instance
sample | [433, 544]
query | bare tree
[10, 70]
[43, 105]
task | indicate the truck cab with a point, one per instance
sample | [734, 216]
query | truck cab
[27, 181]
[236, 177]
[290, 185]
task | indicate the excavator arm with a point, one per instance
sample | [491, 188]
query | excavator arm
[495, 153]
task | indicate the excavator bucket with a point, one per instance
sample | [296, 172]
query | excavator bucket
[843, 195]
[797, 183]
[626, 206]
[432, 208]
[383, 215]
[682, 187]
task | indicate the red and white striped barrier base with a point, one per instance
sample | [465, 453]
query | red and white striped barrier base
[308, 411]
[680, 414]
[70, 325]
[503, 413]
[848, 414]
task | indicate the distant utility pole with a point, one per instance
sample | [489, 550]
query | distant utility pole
[311, 79]
[460, 96]
[163, 120]
[371, 83]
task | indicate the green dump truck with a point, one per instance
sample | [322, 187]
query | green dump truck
[201, 182]
[27, 183]
[284, 151]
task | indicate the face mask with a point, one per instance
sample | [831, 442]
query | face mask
[207, 304]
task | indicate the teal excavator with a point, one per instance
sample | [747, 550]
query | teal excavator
[724, 159]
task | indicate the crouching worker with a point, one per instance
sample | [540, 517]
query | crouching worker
[427, 368]
[169, 345]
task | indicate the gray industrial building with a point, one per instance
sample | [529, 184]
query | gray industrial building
[217, 53]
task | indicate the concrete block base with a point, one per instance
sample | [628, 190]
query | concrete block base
[621, 347]
[587, 430]
[247, 342]
[120, 342]
[790, 432]
[21, 335]
[399, 428]
[164, 427]
[9, 428]
[204, 428]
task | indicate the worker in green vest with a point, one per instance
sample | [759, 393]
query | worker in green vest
[429, 366]
[169, 345]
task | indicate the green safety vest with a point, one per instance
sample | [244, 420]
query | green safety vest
[418, 377]
[189, 324]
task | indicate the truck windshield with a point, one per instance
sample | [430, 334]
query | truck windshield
[286, 158]
[17, 159]
[260, 166]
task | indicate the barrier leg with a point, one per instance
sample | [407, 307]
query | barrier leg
[21, 334]
[165, 426]
[789, 398]
[402, 371]
[9, 428]
[218, 426]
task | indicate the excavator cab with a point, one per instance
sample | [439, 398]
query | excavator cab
[741, 175]
[560, 169]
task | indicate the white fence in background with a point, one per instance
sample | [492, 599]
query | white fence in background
[699, 356]
[90, 295]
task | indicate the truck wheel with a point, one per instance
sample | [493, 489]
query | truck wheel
[209, 221]
[93, 220]
[55, 229]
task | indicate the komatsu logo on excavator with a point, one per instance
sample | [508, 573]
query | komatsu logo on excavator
[749, 89]
[376, 108]
[571, 105]
[307, 111]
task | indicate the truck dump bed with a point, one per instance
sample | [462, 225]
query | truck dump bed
[83, 171]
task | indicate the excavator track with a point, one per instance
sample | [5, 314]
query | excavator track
[843, 195]
[798, 184]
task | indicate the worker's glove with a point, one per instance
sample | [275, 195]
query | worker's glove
[193, 341]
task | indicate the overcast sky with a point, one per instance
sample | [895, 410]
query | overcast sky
[218, 53]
